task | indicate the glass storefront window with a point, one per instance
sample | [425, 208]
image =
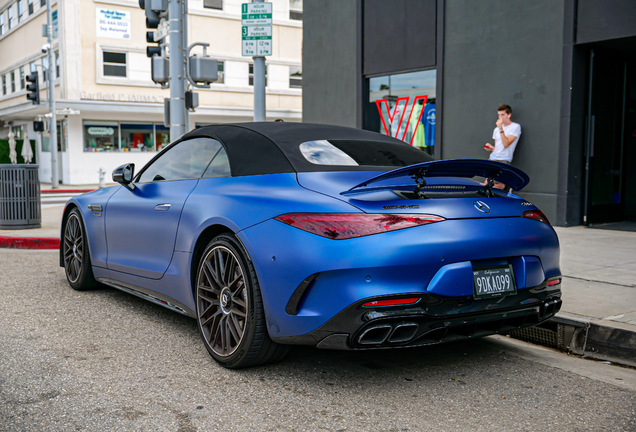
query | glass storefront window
[62, 137]
[100, 136]
[162, 136]
[412, 121]
[136, 137]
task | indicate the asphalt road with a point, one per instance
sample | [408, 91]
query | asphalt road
[107, 361]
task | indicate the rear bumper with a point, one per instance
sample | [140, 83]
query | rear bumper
[432, 321]
[435, 259]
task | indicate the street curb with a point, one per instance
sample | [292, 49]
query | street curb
[597, 339]
[64, 191]
[29, 242]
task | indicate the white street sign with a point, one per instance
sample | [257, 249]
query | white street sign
[257, 48]
[256, 32]
[162, 30]
[67, 111]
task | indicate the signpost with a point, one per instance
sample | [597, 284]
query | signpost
[162, 30]
[256, 33]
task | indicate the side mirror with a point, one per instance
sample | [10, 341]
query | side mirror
[124, 175]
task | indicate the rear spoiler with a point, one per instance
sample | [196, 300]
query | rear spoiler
[507, 174]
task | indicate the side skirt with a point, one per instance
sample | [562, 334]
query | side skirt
[149, 295]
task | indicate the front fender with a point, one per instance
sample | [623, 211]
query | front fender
[93, 223]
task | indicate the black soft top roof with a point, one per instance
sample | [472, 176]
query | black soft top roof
[273, 147]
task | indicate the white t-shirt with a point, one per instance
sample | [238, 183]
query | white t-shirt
[505, 153]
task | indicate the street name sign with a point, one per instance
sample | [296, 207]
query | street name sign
[162, 30]
[256, 33]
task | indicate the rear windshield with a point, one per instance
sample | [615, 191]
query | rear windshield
[361, 153]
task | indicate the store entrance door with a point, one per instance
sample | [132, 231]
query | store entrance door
[610, 145]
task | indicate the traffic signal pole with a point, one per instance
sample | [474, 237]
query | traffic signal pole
[52, 118]
[177, 85]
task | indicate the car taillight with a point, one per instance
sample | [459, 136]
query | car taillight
[340, 226]
[536, 215]
[554, 282]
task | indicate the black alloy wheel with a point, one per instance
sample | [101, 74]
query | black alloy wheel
[77, 261]
[229, 307]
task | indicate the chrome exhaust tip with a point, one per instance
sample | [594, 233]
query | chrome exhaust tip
[403, 332]
[375, 335]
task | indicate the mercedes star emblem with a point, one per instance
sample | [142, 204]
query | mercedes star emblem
[482, 206]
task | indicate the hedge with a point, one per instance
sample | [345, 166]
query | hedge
[4, 151]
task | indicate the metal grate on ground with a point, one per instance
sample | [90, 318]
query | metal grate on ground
[538, 335]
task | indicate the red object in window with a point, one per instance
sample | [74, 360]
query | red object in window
[137, 139]
[378, 104]
[536, 215]
[341, 226]
[392, 302]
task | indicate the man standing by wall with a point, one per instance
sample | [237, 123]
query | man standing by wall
[506, 135]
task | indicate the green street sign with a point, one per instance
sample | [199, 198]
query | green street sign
[257, 14]
[256, 30]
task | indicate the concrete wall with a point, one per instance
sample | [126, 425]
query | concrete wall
[398, 35]
[331, 62]
[505, 52]
[597, 21]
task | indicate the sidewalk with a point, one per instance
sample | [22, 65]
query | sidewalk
[598, 317]
[599, 292]
[48, 236]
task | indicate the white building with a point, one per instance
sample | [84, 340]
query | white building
[106, 76]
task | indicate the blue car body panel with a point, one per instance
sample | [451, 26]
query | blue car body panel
[141, 238]
[240, 202]
[94, 222]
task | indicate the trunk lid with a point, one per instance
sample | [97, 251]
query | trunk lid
[449, 191]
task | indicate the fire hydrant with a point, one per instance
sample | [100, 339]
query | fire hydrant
[102, 174]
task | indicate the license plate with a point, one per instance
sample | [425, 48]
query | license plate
[494, 281]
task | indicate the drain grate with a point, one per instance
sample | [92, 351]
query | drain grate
[537, 335]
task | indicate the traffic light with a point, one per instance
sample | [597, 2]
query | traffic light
[33, 88]
[152, 50]
[38, 126]
[153, 9]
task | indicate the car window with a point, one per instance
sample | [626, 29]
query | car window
[219, 167]
[186, 160]
[361, 153]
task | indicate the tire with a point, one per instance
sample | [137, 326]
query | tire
[229, 307]
[77, 259]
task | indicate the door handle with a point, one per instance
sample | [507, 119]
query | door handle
[162, 207]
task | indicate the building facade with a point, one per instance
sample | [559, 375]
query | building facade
[103, 73]
[567, 68]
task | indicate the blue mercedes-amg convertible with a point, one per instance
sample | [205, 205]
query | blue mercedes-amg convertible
[275, 234]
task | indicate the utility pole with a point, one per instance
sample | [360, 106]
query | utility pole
[259, 85]
[52, 118]
[184, 45]
[177, 91]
